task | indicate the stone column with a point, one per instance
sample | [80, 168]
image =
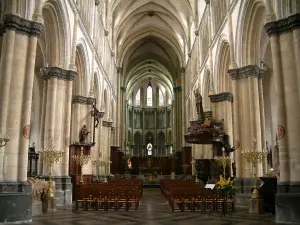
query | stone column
[119, 109]
[224, 101]
[246, 113]
[124, 122]
[19, 40]
[57, 108]
[284, 38]
[182, 108]
[175, 128]
[107, 131]
[67, 127]
[262, 124]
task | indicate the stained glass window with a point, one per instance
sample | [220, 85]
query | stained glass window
[161, 98]
[149, 96]
[138, 98]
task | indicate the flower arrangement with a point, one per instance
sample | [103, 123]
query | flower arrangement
[226, 188]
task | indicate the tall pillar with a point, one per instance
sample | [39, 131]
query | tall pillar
[19, 41]
[246, 125]
[119, 109]
[223, 101]
[182, 108]
[124, 122]
[284, 37]
[57, 120]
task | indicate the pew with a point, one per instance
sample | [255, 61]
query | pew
[186, 195]
[116, 194]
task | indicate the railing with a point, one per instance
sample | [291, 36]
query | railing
[143, 177]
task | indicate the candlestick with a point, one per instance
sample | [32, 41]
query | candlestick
[254, 157]
[51, 156]
[223, 161]
[82, 160]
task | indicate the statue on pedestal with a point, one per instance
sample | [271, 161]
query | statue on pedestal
[199, 105]
[149, 148]
[83, 134]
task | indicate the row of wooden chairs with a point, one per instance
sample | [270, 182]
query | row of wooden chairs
[182, 196]
[107, 196]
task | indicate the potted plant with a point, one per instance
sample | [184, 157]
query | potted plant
[225, 187]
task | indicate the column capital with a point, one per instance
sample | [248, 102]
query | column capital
[19, 24]
[221, 97]
[56, 72]
[284, 25]
[82, 100]
[245, 72]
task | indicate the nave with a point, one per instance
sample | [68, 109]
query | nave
[153, 210]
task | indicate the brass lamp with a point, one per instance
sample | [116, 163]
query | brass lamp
[51, 156]
[223, 161]
[82, 160]
[254, 157]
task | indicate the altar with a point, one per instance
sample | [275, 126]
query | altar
[151, 165]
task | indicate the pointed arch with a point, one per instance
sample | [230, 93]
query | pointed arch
[223, 80]
[251, 21]
[81, 62]
[57, 38]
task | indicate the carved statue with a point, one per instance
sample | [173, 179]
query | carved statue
[199, 105]
[83, 134]
[149, 148]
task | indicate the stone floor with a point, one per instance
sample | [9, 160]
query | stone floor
[153, 210]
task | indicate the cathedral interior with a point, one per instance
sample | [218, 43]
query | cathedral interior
[149, 112]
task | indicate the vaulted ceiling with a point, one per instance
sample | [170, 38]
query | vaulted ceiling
[151, 39]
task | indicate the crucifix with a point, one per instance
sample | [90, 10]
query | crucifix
[97, 115]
